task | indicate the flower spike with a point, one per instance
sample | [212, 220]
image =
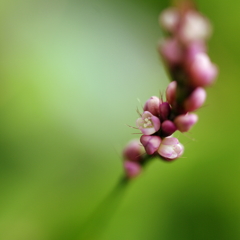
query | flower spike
[184, 52]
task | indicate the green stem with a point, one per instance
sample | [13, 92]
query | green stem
[101, 217]
[98, 221]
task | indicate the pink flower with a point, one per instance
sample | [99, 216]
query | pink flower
[133, 151]
[169, 19]
[171, 51]
[132, 169]
[170, 148]
[195, 100]
[168, 128]
[148, 124]
[150, 143]
[164, 110]
[185, 122]
[194, 48]
[171, 92]
[194, 27]
[152, 105]
[202, 71]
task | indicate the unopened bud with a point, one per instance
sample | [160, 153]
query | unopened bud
[168, 128]
[150, 143]
[170, 148]
[132, 169]
[171, 92]
[133, 151]
[195, 100]
[164, 110]
[152, 105]
[185, 122]
[202, 71]
[148, 124]
[194, 48]
[171, 51]
[194, 27]
[169, 19]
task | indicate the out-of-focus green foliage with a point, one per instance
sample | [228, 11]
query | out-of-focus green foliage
[71, 73]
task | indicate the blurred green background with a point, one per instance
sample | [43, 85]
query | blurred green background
[71, 73]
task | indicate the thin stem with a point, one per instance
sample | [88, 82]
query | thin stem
[101, 217]
[93, 227]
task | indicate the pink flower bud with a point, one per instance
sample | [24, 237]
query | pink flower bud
[168, 128]
[132, 169]
[171, 92]
[152, 105]
[164, 110]
[194, 48]
[195, 100]
[148, 124]
[194, 27]
[169, 19]
[202, 71]
[150, 143]
[185, 122]
[170, 148]
[171, 51]
[133, 151]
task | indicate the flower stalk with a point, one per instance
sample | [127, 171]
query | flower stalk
[184, 52]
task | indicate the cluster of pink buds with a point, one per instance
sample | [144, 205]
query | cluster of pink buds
[157, 124]
[184, 52]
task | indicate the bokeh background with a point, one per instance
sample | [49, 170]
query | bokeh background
[71, 73]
